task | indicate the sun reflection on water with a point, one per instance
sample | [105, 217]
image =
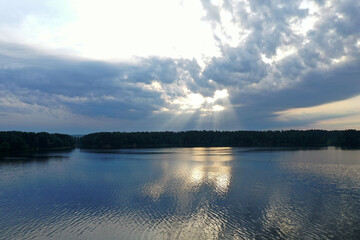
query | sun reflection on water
[204, 167]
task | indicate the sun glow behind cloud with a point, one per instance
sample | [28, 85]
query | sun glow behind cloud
[196, 101]
[188, 101]
[186, 106]
[122, 30]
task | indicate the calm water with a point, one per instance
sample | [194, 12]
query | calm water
[182, 193]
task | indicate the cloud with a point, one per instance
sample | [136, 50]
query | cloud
[16, 12]
[277, 68]
[212, 11]
[328, 114]
[274, 57]
[109, 29]
[93, 89]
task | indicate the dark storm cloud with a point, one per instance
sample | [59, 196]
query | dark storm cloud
[79, 85]
[319, 87]
[238, 66]
[88, 87]
[315, 88]
[306, 78]
[269, 26]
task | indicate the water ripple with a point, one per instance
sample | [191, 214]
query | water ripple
[195, 193]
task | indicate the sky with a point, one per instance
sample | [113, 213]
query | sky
[81, 66]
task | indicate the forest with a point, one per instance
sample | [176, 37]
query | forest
[15, 141]
[288, 138]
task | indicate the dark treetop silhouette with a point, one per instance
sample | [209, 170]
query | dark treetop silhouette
[15, 141]
[289, 138]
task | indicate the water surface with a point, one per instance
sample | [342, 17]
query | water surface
[182, 193]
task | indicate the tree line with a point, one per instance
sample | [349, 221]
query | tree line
[15, 141]
[288, 138]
